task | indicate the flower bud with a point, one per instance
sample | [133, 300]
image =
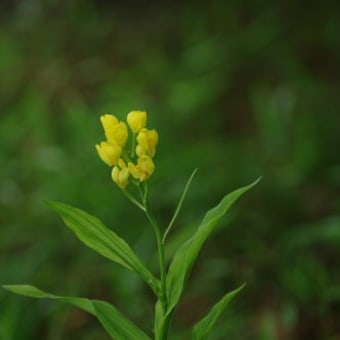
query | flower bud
[120, 133]
[115, 131]
[120, 176]
[144, 168]
[109, 152]
[108, 122]
[148, 140]
[140, 150]
[136, 120]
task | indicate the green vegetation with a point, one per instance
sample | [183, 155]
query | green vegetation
[237, 90]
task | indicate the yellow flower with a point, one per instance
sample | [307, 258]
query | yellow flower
[109, 152]
[108, 120]
[115, 131]
[147, 142]
[136, 120]
[141, 165]
[144, 168]
[120, 175]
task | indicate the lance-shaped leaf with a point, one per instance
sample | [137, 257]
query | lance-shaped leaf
[91, 231]
[114, 322]
[178, 208]
[186, 255]
[203, 328]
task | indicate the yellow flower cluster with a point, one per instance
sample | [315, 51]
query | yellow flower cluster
[138, 162]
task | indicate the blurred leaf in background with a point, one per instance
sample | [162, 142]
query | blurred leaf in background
[237, 89]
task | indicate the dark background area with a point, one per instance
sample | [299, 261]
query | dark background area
[238, 89]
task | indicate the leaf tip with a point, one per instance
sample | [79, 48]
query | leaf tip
[50, 204]
[242, 286]
[56, 206]
[257, 180]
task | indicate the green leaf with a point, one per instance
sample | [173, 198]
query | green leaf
[186, 255]
[203, 328]
[114, 322]
[91, 231]
[178, 208]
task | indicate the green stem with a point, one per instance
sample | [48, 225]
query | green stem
[133, 145]
[161, 258]
[133, 200]
[160, 246]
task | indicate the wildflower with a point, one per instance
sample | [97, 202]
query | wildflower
[120, 174]
[109, 152]
[147, 142]
[115, 131]
[144, 168]
[136, 120]
[114, 152]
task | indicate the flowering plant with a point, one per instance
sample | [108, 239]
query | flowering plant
[131, 158]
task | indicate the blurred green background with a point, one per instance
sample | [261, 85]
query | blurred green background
[237, 89]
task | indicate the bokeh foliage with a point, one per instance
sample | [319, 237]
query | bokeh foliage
[236, 89]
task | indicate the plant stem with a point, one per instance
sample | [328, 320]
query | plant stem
[133, 200]
[133, 145]
[161, 258]
[162, 266]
